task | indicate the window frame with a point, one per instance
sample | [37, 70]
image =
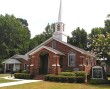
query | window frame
[70, 55]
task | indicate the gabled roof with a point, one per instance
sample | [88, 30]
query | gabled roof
[45, 42]
[11, 61]
[48, 48]
[20, 56]
[15, 59]
[82, 51]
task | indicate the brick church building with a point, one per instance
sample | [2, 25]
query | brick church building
[56, 55]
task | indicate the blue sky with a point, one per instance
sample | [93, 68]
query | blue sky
[86, 14]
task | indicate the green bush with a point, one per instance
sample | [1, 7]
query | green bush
[24, 71]
[80, 73]
[71, 79]
[58, 78]
[46, 78]
[18, 75]
[67, 73]
[80, 79]
[63, 78]
[22, 76]
[98, 81]
[108, 74]
[1, 70]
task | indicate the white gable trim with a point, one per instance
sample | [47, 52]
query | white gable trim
[56, 52]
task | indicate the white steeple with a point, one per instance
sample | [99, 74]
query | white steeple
[60, 12]
[59, 27]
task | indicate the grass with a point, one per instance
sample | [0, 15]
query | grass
[53, 85]
[3, 75]
[2, 80]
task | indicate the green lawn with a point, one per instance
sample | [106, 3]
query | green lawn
[53, 85]
[3, 75]
[2, 80]
[108, 78]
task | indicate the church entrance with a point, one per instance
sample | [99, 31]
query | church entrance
[43, 63]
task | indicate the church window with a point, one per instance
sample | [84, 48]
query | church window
[71, 59]
[54, 44]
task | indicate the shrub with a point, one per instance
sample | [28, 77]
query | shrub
[49, 77]
[80, 79]
[22, 76]
[18, 75]
[80, 73]
[67, 73]
[98, 81]
[1, 70]
[108, 74]
[71, 79]
[46, 77]
[25, 71]
[58, 78]
[63, 78]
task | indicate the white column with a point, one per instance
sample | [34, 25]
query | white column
[5, 68]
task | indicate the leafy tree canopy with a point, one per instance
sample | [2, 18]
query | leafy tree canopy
[14, 36]
[40, 38]
[79, 38]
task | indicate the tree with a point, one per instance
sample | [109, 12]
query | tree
[40, 38]
[79, 38]
[14, 36]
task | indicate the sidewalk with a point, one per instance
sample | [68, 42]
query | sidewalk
[22, 81]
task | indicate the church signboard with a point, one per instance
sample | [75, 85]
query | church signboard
[97, 72]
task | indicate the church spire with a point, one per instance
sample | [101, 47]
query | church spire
[59, 27]
[60, 12]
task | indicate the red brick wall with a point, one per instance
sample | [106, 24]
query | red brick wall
[35, 60]
[62, 48]
[65, 49]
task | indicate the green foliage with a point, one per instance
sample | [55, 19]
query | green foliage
[40, 38]
[79, 38]
[25, 71]
[14, 36]
[80, 73]
[97, 81]
[78, 77]
[99, 40]
[67, 73]
[72, 79]
[22, 76]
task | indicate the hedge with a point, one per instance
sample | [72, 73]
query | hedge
[71, 77]
[67, 73]
[22, 76]
[98, 81]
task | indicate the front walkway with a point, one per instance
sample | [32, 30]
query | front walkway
[21, 81]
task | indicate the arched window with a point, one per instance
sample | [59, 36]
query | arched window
[54, 44]
[72, 59]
